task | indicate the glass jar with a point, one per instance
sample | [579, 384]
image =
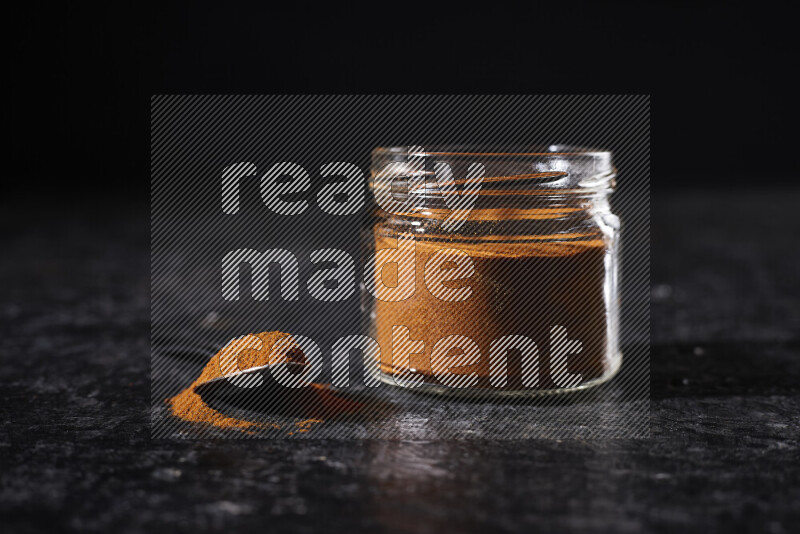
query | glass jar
[492, 271]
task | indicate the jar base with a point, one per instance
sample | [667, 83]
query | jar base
[498, 394]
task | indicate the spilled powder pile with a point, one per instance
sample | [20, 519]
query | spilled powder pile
[318, 400]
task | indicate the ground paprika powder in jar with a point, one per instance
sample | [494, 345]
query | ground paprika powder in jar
[493, 271]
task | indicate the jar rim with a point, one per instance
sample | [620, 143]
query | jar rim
[562, 150]
[517, 171]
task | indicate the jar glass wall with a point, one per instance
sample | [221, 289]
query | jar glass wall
[495, 271]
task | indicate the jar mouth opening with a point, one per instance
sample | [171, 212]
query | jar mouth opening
[485, 171]
[492, 151]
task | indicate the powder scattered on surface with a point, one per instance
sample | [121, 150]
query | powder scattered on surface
[305, 425]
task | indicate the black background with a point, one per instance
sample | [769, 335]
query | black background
[719, 75]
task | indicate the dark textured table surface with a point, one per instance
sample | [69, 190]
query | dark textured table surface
[725, 409]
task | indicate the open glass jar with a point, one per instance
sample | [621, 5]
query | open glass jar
[493, 271]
